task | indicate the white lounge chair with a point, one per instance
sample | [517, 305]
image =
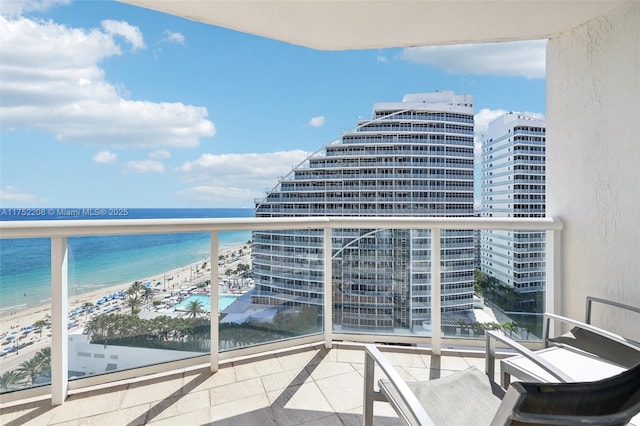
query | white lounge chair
[471, 398]
[585, 353]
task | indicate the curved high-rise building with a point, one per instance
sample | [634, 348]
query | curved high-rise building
[412, 158]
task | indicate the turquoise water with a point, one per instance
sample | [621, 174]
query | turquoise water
[223, 302]
[102, 262]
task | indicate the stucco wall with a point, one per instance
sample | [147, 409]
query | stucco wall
[593, 160]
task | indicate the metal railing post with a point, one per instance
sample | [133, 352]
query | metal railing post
[436, 319]
[59, 302]
[327, 306]
[553, 272]
[214, 355]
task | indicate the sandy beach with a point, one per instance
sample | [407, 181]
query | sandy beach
[13, 324]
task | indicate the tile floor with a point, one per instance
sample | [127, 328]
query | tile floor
[306, 386]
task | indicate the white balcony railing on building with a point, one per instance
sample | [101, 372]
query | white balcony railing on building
[59, 231]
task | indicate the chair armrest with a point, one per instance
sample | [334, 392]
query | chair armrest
[547, 317]
[490, 356]
[591, 299]
[374, 357]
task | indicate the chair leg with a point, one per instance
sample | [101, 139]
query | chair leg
[369, 371]
[505, 380]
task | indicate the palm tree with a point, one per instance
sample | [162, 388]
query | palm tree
[510, 327]
[195, 308]
[40, 324]
[31, 368]
[10, 379]
[87, 306]
[44, 356]
[135, 288]
[147, 294]
[134, 302]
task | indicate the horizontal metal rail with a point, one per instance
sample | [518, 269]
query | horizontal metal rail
[72, 228]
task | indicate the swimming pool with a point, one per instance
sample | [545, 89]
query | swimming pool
[223, 302]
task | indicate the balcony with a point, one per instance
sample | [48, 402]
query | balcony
[61, 388]
[592, 74]
[306, 384]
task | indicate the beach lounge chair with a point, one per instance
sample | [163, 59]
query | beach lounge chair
[471, 398]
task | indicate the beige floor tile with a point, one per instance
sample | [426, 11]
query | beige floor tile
[329, 368]
[249, 370]
[451, 363]
[198, 417]
[163, 409]
[477, 362]
[284, 379]
[351, 355]
[344, 392]
[299, 404]
[153, 390]
[382, 412]
[34, 423]
[413, 374]
[205, 380]
[235, 391]
[329, 420]
[132, 416]
[194, 401]
[90, 404]
[253, 410]
[299, 359]
[405, 359]
[40, 412]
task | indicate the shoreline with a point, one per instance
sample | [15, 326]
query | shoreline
[16, 321]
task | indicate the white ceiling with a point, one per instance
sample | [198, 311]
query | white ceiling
[365, 24]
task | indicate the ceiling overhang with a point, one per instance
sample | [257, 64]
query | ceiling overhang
[368, 24]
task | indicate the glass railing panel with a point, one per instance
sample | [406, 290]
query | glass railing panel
[510, 284]
[381, 281]
[138, 300]
[286, 296]
[25, 313]
[130, 300]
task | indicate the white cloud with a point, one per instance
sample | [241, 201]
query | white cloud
[172, 37]
[160, 154]
[145, 166]
[51, 81]
[518, 58]
[485, 116]
[105, 157]
[382, 59]
[12, 194]
[18, 7]
[318, 121]
[221, 196]
[128, 32]
[236, 177]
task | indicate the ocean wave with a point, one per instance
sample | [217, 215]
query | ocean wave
[16, 307]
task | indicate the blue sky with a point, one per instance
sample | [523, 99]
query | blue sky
[103, 104]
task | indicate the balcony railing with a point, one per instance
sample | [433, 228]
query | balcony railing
[59, 231]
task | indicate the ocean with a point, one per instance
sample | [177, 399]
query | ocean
[102, 261]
